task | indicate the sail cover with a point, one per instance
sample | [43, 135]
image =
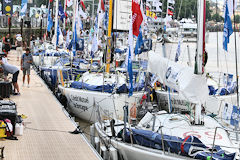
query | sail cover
[190, 86]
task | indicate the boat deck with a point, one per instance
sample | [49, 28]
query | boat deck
[46, 132]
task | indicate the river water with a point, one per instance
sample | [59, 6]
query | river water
[226, 59]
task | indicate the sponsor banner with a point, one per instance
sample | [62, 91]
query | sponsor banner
[7, 7]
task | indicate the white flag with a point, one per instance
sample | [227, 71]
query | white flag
[83, 14]
[69, 3]
[158, 9]
[171, 1]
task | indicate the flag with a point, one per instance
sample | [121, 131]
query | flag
[69, 3]
[83, 14]
[105, 21]
[68, 38]
[102, 6]
[171, 7]
[230, 5]
[23, 8]
[170, 12]
[94, 48]
[178, 50]
[58, 33]
[95, 40]
[83, 5]
[171, 1]
[130, 58]
[61, 11]
[50, 21]
[139, 43]
[227, 30]
[137, 17]
[74, 41]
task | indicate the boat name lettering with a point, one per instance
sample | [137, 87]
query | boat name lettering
[79, 99]
[84, 108]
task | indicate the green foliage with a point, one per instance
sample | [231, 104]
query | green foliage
[217, 18]
[237, 18]
[189, 9]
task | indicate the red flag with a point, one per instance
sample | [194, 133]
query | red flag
[51, 1]
[102, 5]
[137, 17]
[170, 12]
[83, 5]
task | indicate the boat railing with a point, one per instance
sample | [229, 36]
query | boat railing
[237, 132]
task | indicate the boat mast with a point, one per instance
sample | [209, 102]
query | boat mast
[236, 59]
[200, 51]
[201, 35]
[56, 23]
[109, 37]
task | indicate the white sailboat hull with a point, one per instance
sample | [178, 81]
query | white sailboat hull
[83, 103]
[136, 152]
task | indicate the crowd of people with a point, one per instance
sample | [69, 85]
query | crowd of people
[25, 62]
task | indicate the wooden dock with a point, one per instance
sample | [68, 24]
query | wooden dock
[46, 134]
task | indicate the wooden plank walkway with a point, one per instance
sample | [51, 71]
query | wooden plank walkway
[46, 134]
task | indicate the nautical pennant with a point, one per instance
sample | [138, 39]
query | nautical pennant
[69, 3]
[83, 5]
[139, 43]
[50, 21]
[137, 17]
[23, 8]
[61, 11]
[227, 30]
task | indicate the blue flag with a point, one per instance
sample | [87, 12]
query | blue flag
[228, 30]
[61, 11]
[58, 33]
[23, 8]
[75, 40]
[50, 21]
[130, 73]
[139, 43]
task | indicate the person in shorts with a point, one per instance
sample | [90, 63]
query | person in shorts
[26, 62]
[19, 46]
[8, 68]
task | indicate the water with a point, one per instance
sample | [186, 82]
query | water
[226, 59]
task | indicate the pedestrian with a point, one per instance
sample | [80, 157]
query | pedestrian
[7, 44]
[26, 62]
[19, 47]
[8, 68]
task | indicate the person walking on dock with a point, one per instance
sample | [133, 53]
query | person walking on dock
[8, 68]
[19, 45]
[26, 62]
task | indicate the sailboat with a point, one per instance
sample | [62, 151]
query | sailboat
[108, 90]
[166, 135]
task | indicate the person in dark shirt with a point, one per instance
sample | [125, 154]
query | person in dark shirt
[26, 62]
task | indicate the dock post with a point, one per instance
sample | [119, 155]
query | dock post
[97, 144]
[104, 153]
[92, 134]
[113, 153]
